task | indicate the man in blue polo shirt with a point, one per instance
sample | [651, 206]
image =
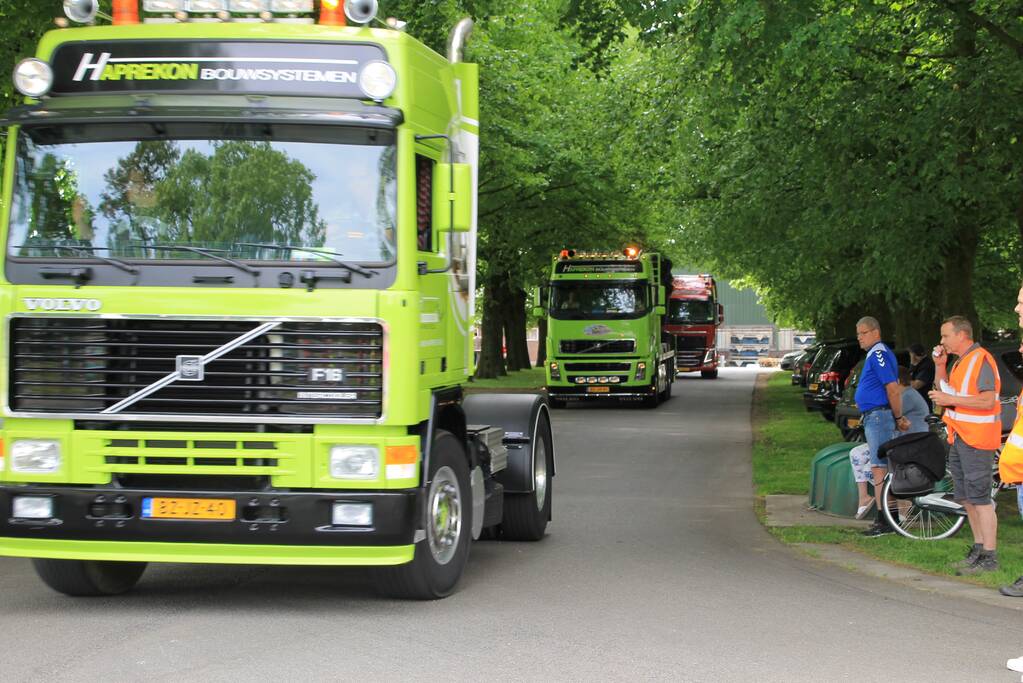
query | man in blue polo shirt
[879, 398]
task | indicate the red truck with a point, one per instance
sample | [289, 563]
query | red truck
[692, 321]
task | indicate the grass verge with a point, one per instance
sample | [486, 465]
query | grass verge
[533, 378]
[785, 439]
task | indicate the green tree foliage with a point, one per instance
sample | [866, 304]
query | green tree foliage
[846, 155]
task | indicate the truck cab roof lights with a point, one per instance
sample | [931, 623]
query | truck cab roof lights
[377, 80]
[631, 252]
[126, 12]
[566, 254]
[360, 11]
[33, 77]
[331, 13]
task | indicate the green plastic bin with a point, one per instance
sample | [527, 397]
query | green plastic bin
[832, 487]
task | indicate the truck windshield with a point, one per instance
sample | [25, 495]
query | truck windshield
[610, 301]
[122, 191]
[691, 312]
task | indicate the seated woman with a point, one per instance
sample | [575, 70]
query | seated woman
[915, 409]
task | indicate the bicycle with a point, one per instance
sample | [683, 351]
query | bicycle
[932, 516]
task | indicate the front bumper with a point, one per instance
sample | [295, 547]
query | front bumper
[615, 392]
[269, 527]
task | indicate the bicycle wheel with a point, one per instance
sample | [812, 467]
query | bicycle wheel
[918, 522]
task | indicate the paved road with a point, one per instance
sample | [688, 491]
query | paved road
[654, 568]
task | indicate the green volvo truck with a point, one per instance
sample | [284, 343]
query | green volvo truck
[604, 318]
[238, 281]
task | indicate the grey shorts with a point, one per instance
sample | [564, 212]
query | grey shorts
[971, 472]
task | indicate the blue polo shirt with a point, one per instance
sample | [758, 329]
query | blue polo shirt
[879, 368]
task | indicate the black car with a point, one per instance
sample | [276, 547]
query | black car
[801, 366]
[827, 375]
[1010, 371]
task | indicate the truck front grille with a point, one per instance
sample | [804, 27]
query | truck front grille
[597, 367]
[598, 346]
[88, 365]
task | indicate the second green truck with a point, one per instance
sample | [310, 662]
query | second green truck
[604, 340]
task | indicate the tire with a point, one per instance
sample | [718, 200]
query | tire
[666, 394]
[709, 374]
[89, 578]
[828, 417]
[918, 523]
[526, 514]
[440, 558]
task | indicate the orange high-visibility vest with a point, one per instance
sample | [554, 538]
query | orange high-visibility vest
[1010, 464]
[978, 428]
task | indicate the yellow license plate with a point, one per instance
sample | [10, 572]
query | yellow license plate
[188, 508]
[598, 390]
[686, 369]
[813, 387]
[852, 422]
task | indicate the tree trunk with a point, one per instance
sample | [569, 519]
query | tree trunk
[515, 330]
[491, 363]
[541, 342]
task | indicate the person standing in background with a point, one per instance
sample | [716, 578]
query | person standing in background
[921, 371]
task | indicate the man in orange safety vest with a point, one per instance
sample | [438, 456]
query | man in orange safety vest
[972, 412]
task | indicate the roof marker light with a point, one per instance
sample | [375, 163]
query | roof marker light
[331, 13]
[126, 12]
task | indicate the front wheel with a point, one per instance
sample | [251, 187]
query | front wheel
[914, 521]
[526, 514]
[709, 374]
[89, 578]
[440, 557]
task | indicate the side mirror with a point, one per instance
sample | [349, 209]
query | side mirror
[721, 314]
[452, 197]
[538, 301]
[660, 309]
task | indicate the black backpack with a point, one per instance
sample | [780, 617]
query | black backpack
[916, 461]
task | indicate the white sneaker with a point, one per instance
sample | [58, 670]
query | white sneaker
[1015, 664]
[862, 510]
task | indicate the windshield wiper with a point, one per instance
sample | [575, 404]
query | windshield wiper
[87, 251]
[309, 250]
[206, 252]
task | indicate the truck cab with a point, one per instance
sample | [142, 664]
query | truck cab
[694, 315]
[239, 270]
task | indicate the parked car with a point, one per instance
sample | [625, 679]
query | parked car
[847, 414]
[801, 366]
[827, 376]
[789, 359]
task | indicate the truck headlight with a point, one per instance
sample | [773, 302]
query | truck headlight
[377, 80]
[35, 456]
[640, 371]
[354, 462]
[555, 371]
[33, 77]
